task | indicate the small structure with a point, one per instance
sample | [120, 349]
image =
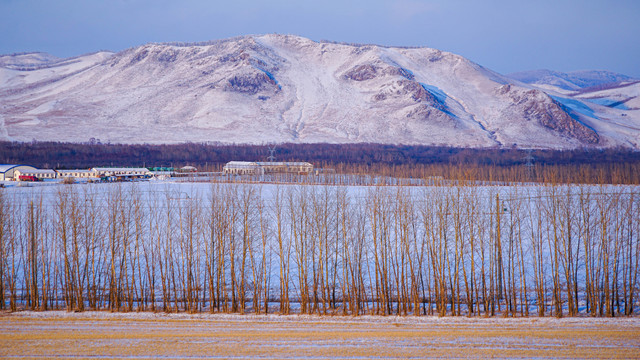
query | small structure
[39, 174]
[161, 175]
[7, 171]
[162, 168]
[188, 169]
[325, 171]
[262, 168]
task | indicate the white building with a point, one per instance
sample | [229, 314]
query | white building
[242, 168]
[261, 168]
[188, 169]
[7, 171]
[38, 173]
[112, 171]
[77, 173]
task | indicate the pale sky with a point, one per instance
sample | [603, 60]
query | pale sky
[503, 35]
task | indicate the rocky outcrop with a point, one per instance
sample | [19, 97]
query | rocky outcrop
[398, 71]
[167, 56]
[408, 89]
[535, 105]
[371, 71]
[556, 117]
[251, 83]
[362, 73]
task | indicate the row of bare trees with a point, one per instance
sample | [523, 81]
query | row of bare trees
[239, 248]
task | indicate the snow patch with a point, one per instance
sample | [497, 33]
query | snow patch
[4, 134]
[44, 108]
[608, 103]
[575, 105]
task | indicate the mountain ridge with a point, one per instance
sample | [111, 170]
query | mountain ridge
[574, 80]
[285, 88]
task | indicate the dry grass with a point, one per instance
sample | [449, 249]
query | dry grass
[84, 337]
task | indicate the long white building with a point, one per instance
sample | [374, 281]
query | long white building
[13, 172]
[262, 168]
[76, 173]
[113, 171]
[38, 173]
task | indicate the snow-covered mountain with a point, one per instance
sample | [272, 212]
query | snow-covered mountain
[574, 80]
[29, 61]
[282, 88]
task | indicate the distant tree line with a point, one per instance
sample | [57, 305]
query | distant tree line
[616, 165]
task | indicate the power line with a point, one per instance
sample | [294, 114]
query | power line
[529, 159]
[272, 153]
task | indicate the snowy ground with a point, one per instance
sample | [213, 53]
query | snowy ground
[145, 335]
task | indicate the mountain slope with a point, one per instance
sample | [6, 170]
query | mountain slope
[276, 88]
[574, 80]
[28, 61]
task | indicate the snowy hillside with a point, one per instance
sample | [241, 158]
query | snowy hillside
[277, 88]
[574, 80]
[27, 60]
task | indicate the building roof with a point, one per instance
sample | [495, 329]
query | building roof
[39, 171]
[266, 163]
[6, 167]
[283, 163]
[120, 169]
[240, 163]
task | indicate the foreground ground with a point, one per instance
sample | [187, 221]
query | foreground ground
[105, 335]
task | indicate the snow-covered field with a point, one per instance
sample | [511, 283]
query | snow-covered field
[202, 336]
[524, 250]
[149, 334]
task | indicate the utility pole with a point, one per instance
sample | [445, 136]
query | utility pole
[529, 163]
